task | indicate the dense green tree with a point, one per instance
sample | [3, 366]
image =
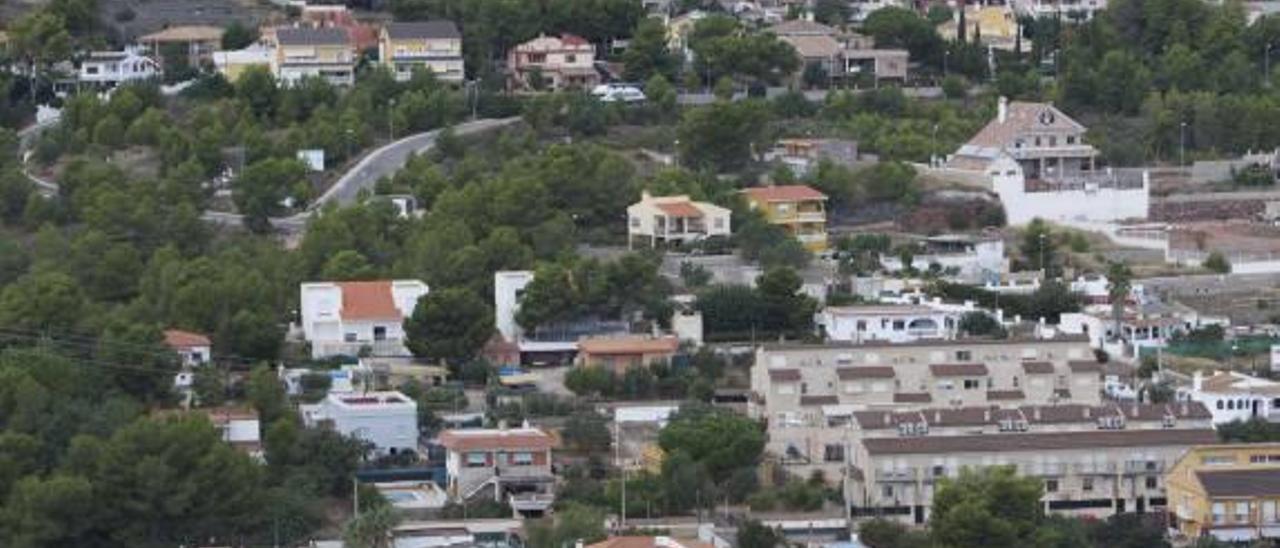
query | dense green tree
[721, 136]
[719, 440]
[993, 507]
[451, 325]
[45, 301]
[266, 393]
[372, 528]
[754, 534]
[647, 54]
[263, 186]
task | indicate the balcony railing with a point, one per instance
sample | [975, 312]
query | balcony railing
[1139, 466]
[895, 475]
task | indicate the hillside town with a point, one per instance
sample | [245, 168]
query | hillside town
[639, 273]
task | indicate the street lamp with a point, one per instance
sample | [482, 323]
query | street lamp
[391, 120]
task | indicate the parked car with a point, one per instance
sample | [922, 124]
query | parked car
[611, 93]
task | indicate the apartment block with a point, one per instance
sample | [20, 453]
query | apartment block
[798, 209]
[430, 45]
[1095, 471]
[1228, 492]
[792, 382]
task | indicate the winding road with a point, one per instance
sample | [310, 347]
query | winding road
[381, 162]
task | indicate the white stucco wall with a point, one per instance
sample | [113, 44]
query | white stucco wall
[507, 286]
[1089, 204]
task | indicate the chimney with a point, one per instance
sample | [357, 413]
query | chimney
[1002, 112]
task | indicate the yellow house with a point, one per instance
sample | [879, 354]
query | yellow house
[306, 52]
[434, 45]
[1229, 492]
[799, 209]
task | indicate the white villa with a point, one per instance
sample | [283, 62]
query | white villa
[344, 318]
[1040, 165]
[1232, 396]
[675, 219]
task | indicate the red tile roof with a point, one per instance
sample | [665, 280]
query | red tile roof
[1005, 395]
[1038, 368]
[679, 209]
[1085, 367]
[1045, 441]
[912, 397]
[470, 440]
[629, 345]
[784, 193]
[784, 375]
[177, 338]
[573, 40]
[865, 372]
[368, 301]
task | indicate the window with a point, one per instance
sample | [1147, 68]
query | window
[899, 325]
[379, 333]
[523, 458]
[1242, 512]
[834, 453]
[886, 491]
[1051, 486]
[963, 355]
[804, 388]
[939, 470]
[861, 325]
[1268, 512]
[1071, 139]
[972, 384]
[946, 385]
[477, 460]
[1153, 482]
[571, 58]
[1231, 405]
[349, 337]
[1015, 382]
[1218, 460]
[537, 58]
[1053, 141]
[635, 222]
[1086, 485]
[719, 222]
[1219, 513]
[1220, 405]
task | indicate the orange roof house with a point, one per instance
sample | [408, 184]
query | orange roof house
[620, 353]
[798, 209]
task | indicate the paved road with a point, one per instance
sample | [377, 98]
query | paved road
[380, 163]
[26, 139]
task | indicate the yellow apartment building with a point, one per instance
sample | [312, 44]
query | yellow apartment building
[800, 209]
[434, 45]
[1230, 492]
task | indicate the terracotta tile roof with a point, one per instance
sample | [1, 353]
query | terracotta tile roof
[958, 369]
[814, 47]
[1260, 482]
[1050, 441]
[784, 375]
[629, 345]
[179, 339]
[809, 401]
[573, 40]
[1084, 367]
[912, 397]
[368, 301]
[784, 193]
[471, 440]
[1000, 395]
[1066, 413]
[865, 372]
[1038, 368]
[679, 209]
[1022, 117]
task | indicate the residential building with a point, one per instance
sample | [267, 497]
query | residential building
[801, 27]
[621, 353]
[232, 63]
[650, 542]
[798, 209]
[1095, 471]
[346, 318]
[1228, 492]
[506, 464]
[791, 383]
[820, 50]
[861, 9]
[976, 258]
[239, 427]
[363, 36]
[1072, 10]
[508, 287]
[388, 421]
[194, 43]
[879, 65]
[113, 68]
[995, 25]
[1142, 327]
[888, 323]
[303, 52]
[1041, 166]
[678, 29]
[193, 349]
[802, 155]
[553, 63]
[675, 220]
[1233, 396]
[431, 45]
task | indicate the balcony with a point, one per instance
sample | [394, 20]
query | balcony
[1097, 469]
[891, 476]
[1051, 469]
[813, 237]
[1143, 466]
[531, 502]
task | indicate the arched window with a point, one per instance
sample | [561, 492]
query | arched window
[1231, 404]
[1220, 405]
